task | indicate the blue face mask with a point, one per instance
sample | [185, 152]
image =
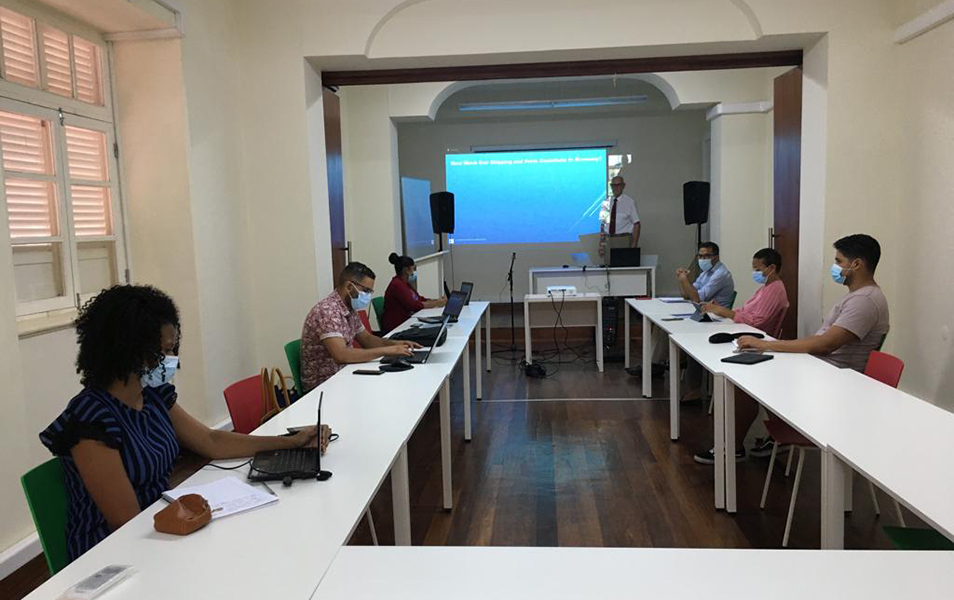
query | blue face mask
[362, 301]
[705, 264]
[161, 373]
[838, 274]
[759, 277]
[412, 278]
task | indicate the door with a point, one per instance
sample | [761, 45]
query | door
[339, 242]
[788, 160]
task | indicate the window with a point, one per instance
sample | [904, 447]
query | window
[58, 185]
[40, 56]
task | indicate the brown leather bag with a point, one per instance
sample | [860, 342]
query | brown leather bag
[187, 514]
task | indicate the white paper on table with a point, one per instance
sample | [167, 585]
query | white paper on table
[672, 300]
[226, 496]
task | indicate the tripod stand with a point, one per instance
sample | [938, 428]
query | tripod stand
[513, 335]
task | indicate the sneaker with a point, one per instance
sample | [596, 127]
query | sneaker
[763, 448]
[708, 457]
[659, 370]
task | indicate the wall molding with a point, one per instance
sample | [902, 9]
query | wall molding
[937, 16]
[19, 554]
[739, 108]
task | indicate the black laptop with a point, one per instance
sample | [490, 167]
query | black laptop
[624, 257]
[468, 288]
[296, 463]
[455, 303]
[421, 356]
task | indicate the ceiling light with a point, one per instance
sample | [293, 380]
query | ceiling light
[549, 104]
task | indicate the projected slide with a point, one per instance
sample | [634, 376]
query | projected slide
[526, 197]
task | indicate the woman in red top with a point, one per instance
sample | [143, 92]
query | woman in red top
[401, 300]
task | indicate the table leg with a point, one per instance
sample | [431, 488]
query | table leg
[626, 309]
[673, 391]
[834, 473]
[647, 357]
[401, 499]
[599, 334]
[849, 499]
[526, 331]
[466, 360]
[446, 445]
[728, 402]
[479, 373]
[490, 356]
[718, 427]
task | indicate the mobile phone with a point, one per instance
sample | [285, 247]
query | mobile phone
[368, 372]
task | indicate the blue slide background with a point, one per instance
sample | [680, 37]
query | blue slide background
[523, 199]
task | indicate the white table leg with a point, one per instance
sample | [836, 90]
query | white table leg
[599, 334]
[718, 426]
[673, 391]
[401, 499]
[466, 360]
[479, 373]
[526, 331]
[834, 473]
[490, 360]
[647, 357]
[728, 401]
[626, 309]
[446, 444]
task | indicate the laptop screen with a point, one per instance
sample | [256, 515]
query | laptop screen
[455, 304]
[468, 288]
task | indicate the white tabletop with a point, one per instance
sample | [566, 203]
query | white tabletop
[587, 297]
[900, 442]
[466, 323]
[653, 306]
[438, 573]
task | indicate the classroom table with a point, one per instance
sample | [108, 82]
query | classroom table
[281, 550]
[502, 573]
[558, 301]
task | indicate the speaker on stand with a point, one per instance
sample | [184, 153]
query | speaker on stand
[442, 215]
[695, 205]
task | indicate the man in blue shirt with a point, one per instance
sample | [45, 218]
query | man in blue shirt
[714, 284]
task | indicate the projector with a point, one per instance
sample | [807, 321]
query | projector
[561, 290]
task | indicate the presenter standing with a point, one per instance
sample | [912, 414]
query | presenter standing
[619, 221]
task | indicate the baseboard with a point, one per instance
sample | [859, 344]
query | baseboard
[19, 554]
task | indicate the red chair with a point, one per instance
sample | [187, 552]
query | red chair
[882, 367]
[244, 399]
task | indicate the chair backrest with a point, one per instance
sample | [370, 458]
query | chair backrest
[244, 399]
[46, 496]
[732, 301]
[777, 334]
[378, 305]
[885, 368]
[293, 354]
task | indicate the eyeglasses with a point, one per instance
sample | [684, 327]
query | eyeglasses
[361, 287]
[706, 255]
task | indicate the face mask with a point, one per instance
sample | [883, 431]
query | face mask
[362, 301]
[412, 278]
[161, 373]
[705, 264]
[838, 274]
[759, 277]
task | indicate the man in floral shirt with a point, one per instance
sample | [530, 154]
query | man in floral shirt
[333, 325]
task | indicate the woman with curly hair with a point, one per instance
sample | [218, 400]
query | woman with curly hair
[118, 438]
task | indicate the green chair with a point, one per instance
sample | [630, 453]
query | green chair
[378, 305]
[732, 301]
[46, 496]
[911, 538]
[293, 353]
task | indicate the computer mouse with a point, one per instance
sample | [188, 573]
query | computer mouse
[402, 365]
[287, 481]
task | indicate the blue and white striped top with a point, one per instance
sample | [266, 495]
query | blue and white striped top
[146, 441]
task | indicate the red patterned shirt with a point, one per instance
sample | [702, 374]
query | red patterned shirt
[327, 319]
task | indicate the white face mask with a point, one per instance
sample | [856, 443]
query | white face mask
[362, 301]
[161, 373]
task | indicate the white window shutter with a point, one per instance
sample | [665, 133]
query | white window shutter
[57, 67]
[88, 60]
[91, 210]
[31, 208]
[26, 144]
[88, 162]
[18, 37]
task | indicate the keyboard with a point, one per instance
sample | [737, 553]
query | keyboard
[280, 462]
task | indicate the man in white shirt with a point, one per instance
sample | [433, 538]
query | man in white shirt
[619, 221]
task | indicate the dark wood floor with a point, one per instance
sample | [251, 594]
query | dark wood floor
[580, 459]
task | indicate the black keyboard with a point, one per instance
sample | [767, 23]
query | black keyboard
[279, 462]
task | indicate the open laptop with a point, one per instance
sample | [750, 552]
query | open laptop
[624, 257]
[468, 288]
[698, 316]
[455, 304]
[421, 356]
[296, 463]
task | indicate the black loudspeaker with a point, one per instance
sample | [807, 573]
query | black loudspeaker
[442, 212]
[695, 202]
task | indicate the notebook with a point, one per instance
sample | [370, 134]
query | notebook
[747, 358]
[226, 496]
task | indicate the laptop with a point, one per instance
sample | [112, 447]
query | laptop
[421, 356]
[468, 288]
[296, 463]
[699, 316]
[455, 304]
[624, 257]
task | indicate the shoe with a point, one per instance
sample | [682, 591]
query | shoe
[659, 370]
[708, 457]
[763, 448]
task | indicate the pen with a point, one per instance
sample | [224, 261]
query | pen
[270, 491]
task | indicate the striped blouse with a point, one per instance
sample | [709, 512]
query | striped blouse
[146, 441]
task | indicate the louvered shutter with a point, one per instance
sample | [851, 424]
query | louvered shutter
[55, 58]
[87, 58]
[26, 146]
[18, 37]
[89, 181]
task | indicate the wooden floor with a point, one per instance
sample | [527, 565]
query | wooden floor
[580, 459]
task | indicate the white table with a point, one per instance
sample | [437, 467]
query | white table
[431, 573]
[556, 302]
[607, 281]
[468, 323]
